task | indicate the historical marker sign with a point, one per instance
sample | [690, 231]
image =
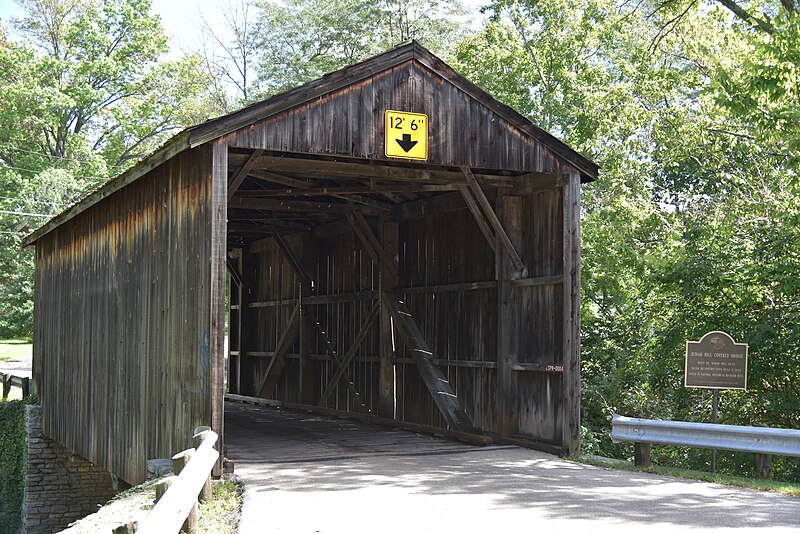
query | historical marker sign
[716, 362]
[406, 135]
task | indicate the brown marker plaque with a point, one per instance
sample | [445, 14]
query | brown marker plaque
[716, 362]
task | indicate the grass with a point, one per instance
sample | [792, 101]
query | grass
[786, 488]
[220, 515]
[15, 350]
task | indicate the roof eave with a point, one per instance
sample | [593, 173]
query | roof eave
[171, 148]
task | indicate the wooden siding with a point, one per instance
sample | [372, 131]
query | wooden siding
[124, 354]
[350, 122]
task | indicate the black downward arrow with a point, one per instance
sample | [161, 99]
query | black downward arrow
[406, 143]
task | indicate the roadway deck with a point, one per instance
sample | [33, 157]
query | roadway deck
[308, 474]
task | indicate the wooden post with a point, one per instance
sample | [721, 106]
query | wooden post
[200, 434]
[219, 256]
[763, 466]
[179, 461]
[641, 455]
[163, 486]
[247, 321]
[305, 394]
[127, 528]
[386, 378]
[510, 214]
[6, 385]
[26, 387]
[571, 378]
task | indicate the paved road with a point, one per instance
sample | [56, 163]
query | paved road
[306, 474]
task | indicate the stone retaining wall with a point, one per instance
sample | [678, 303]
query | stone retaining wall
[60, 486]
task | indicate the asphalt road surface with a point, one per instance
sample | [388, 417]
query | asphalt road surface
[308, 474]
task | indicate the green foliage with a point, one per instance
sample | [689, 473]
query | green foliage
[82, 96]
[303, 39]
[691, 113]
[12, 462]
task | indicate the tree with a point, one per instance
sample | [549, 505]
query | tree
[692, 226]
[303, 39]
[82, 97]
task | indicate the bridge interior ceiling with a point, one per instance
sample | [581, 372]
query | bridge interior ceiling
[288, 193]
[389, 288]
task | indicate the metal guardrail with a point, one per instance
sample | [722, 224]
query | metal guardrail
[22, 382]
[759, 440]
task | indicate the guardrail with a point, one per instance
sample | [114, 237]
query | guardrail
[180, 498]
[22, 382]
[762, 441]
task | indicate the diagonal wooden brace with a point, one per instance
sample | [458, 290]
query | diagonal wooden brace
[278, 361]
[348, 357]
[491, 217]
[437, 384]
[371, 243]
[348, 380]
[242, 173]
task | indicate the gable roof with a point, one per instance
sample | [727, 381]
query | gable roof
[215, 128]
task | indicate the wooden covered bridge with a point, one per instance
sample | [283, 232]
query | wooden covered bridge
[397, 242]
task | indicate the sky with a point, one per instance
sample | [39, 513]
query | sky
[181, 19]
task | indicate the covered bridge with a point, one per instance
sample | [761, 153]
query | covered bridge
[397, 243]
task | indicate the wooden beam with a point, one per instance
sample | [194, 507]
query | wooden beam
[348, 357]
[493, 220]
[478, 217]
[444, 203]
[536, 182]
[241, 174]
[571, 381]
[218, 309]
[348, 191]
[370, 241]
[234, 272]
[278, 362]
[443, 395]
[321, 167]
[386, 371]
[509, 309]
[289, 205]
[291, 258]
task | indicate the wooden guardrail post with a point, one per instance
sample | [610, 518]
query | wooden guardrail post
[641, 455]
[179, 461]
[200, 434]
[763, 466]
[6, 385]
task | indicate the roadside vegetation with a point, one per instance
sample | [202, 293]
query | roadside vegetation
[12, 462]
[15, 350]
[785, 488]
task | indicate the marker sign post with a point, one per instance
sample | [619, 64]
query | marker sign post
[716, 362]
[406, 135]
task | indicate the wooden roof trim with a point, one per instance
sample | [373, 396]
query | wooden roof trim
[173, 147]
[329, 83]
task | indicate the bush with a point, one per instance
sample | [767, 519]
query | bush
[12, 463]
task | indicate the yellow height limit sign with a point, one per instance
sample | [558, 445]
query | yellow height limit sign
[406, 135]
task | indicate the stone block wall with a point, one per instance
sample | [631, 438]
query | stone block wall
[60, 486]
